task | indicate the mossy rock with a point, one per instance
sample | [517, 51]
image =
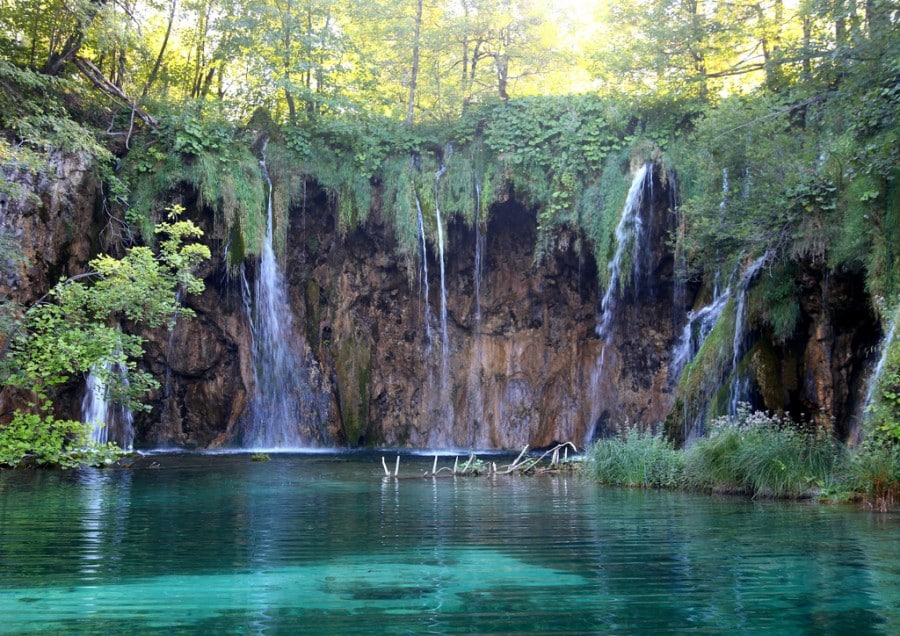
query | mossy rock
[352, 360]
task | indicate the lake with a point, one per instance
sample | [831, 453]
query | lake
[323, 544]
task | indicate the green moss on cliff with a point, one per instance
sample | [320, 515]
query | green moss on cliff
[352, 361]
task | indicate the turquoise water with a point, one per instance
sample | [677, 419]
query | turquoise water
[321, 544]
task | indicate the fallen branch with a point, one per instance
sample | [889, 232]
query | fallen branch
[99, 80]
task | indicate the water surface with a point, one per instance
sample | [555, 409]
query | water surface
[322, 544]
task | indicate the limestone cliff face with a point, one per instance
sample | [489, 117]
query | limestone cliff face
[820, 374]
[54, 219]
[517, 365]
[521, 359]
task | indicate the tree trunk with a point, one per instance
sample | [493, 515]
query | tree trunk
[162, 49]
[414, 72]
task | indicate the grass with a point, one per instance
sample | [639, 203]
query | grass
[754, 454]
[762, 456]
[637, 459]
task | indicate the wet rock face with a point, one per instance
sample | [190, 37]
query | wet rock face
[519, 361]
[824, 368]
[520, 364]
[53, 219]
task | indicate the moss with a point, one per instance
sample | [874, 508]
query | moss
[700, 386]
[773, 302]
[237, 251]
[353, 367]
[312, 303]
[764, 369]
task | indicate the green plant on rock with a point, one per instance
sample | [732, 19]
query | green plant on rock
[882, 415]
[874, 472]
[207, 153]
[74, 330]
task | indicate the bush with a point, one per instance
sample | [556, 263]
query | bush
[874, 472]
[763, 456]
[638, 458]
[41, 439]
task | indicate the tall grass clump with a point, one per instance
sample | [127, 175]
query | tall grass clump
[636, 458]
[874, 473]
[762, 455]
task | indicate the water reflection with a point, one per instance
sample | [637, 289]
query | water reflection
[317, 544]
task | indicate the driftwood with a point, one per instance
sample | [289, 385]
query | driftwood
[559, 457]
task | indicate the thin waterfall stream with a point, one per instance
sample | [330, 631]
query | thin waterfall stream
[446, 399]
[886, 343]
[739, 387]
[110, 421]
[630, 239]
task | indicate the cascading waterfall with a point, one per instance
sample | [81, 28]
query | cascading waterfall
[480, 243]
[886, 343]
[630, 245]
[110, 421]
[424, 271]
[446, 401]
[445, 339]
[739, 387]
[694, 333]
[475, 383]
[630, 237]
[281, 381]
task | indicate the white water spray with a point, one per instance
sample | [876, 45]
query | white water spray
[445, 339]
[886, 343]
[424, 270]
[739, 388]
[110, 421]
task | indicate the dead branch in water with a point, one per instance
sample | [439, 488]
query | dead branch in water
[521, 465]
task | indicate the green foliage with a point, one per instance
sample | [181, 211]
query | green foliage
[883, 411]
[42, 439]
[703, 376]
[636, 458]
[73, 331]
[599, 208]
[874, 471]
[773, 301]
[38, 120]
[209, 154]
[762, 455]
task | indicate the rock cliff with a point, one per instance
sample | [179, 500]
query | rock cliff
[520, 361]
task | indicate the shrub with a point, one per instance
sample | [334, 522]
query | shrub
[638, 458]
[874, 472]
[762, 455]
[42, 439]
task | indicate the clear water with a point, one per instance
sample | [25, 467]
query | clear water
[322, 544]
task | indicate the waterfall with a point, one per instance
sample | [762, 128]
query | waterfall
[446, 398]
[445, 340]
[424, 270]
[739, 388]
[110, 421]
[630, 238]
[694, 333]
[281, 382]
[480, 241]
[475, 380]
[886, 343]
